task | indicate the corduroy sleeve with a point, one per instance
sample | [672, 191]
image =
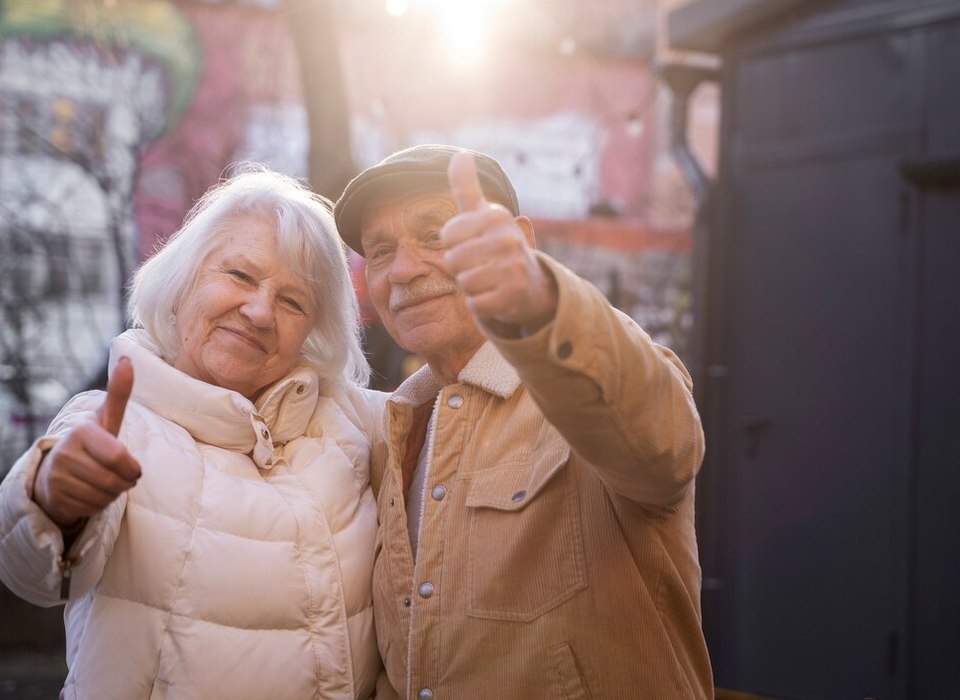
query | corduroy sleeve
[623, 402]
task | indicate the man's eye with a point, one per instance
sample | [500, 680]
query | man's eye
[378, 254]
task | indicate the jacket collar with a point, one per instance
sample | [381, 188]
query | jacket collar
[215, 415]
[486, 370]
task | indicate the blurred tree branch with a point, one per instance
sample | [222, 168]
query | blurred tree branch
[314, 31]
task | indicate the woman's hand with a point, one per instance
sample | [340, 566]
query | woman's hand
[89, 467]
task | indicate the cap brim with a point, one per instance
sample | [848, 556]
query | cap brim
[382, 186]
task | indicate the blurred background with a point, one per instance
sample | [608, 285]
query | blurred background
[769, 187]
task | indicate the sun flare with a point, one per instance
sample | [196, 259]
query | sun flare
[465, 27]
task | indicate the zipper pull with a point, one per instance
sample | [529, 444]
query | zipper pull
[66, 564]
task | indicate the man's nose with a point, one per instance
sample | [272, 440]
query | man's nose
[408, 263]
[257, 308]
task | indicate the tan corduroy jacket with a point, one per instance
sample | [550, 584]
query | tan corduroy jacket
[557, 554]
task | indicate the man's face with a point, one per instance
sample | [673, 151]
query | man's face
[410, 285]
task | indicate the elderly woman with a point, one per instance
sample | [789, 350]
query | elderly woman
[214, 537]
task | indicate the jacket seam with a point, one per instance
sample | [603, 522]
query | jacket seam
[431, 433]
[344, 617]
[183, 567]
[195, 618]
[681, 677]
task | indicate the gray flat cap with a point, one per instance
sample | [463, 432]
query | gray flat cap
[406, 171]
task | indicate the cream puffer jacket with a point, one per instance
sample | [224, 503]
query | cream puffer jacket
[239, 566]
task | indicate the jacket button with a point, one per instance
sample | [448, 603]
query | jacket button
[301, 388]
[425, 694]
[455, 401]
[439, 492]
[265, 433]
[406, 602]
[425, 590]
[564, 350]
[518, 496]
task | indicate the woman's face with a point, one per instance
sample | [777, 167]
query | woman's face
[243, 323]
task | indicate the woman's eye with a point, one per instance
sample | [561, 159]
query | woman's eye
[293, 304]
[240, 275]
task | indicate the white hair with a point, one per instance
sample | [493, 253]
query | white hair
[308, 245]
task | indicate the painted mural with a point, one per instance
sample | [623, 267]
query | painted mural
[114, 118]
[81, 97]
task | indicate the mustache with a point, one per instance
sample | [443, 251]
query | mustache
[408, 295]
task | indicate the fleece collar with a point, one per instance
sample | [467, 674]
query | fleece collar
[486, 370]
[215, 415]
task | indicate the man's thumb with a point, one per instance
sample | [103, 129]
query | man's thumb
[119, 387]
[464, 181]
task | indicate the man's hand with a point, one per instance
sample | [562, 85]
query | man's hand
[89, 467]
[492, 259]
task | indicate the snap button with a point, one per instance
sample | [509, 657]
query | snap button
[564, 350]
[439, 492]
[425, 694]
[455, 401]
[518, 496]
[425, 590]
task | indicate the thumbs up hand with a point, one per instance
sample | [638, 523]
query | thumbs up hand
[490, 253]
[89, 467]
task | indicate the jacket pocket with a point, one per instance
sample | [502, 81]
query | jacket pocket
[524, 537]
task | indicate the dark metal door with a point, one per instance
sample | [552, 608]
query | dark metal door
[936, 551]
[936, 479]
[819, 416]
[815, 427]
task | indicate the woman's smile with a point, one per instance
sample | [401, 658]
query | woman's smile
[244, 322]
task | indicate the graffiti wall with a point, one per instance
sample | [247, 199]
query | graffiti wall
[643, 271]
[77, 109]
[116, 116]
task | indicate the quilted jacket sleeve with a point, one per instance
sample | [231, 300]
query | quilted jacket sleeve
[623, 402]
[32, 560]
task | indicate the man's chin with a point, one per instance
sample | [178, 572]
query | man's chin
[422, 338]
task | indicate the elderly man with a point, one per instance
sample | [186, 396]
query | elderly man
[536, 490]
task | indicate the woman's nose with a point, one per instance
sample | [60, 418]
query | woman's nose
[257, 308]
